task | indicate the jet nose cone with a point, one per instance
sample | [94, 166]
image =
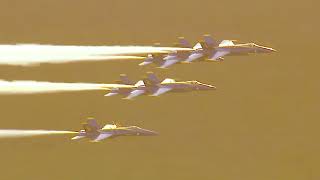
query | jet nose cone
[206, 87]
[269, 50]
[266, 49]
[273, 50]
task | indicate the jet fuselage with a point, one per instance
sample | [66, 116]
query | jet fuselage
[177, 86]
[187, 86]
[128, 131]
[247, 48]
[111, 131]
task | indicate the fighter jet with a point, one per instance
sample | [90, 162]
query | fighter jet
[97, 133]
[125, 91]
[155, 87]
[153, 58]
[164, 61]
[215, 50]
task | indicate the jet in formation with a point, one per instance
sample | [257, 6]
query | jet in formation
[152, 85]
[95, 132]
[209, 50]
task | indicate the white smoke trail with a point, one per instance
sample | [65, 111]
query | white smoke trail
[33, 54]
[15, 133]
[30, 87]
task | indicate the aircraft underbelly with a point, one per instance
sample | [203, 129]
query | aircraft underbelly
[176, 90]
[238, 54]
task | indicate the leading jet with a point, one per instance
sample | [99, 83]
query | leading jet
[96, 133]
[215, 50]
[153, 86]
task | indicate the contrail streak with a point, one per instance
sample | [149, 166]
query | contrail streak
[30, 87]
[34, 54]
[15, 133]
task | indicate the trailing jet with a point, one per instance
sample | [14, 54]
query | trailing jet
[95, 132]
[155, 87]
[164, 61]
[125, 91]
[215, 50]
[153, 58]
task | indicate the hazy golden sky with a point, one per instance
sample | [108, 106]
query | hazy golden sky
[261, 123]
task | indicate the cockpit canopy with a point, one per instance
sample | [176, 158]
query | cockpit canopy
[168, 80]
[110, 126]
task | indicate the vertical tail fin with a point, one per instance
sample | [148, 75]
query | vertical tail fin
[210, 41]
[91, 126]
[90, 129]
[152, 78]
[125, 80]
[204, 45]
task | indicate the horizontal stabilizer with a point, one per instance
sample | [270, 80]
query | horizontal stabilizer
[152, 58]
[145, 63]
[147, 60]
[78, 137]
[111, 94]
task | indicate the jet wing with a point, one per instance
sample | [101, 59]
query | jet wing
[170, 60]
[102, 136]
[114, 86]
[161, 91]
[193, 57]
[135, 93]
[150, 59]
[218, 54]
